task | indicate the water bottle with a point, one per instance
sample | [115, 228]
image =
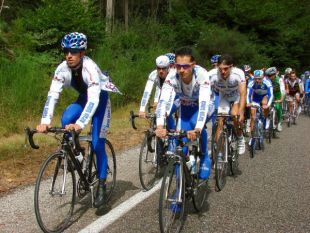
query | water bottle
[193, 164]
[80, 157]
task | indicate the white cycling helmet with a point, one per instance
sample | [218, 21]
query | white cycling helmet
[288, 70]
[271, 71]
[162, 61]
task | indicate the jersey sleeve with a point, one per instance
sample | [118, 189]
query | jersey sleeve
[147, 92]
[53, 96]
[204, 101]
[167, 93]
[92, 75]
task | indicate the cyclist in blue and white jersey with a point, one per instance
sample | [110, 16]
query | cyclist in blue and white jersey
[191, 83]
[163, 66]
[260, 91]
[230, 82]
[83, 74]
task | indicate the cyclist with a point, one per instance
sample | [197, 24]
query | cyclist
[158, 77]
[214, 103]
[259, 91]
[278, 93]
[294, 89]
[229, 82]
[287, 72]
[82, 73]
[191, 83]
[307, 87]
[248, 77]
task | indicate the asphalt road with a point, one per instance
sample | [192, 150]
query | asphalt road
[270, 194]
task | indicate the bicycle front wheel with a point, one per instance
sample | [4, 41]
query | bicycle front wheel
[220, 163]
[200, 191]
[148, 162]
[111, 173]
[55, 193]
[172, 199]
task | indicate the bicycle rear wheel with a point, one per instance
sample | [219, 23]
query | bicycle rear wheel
[220, 164]
[172, 199]
[148, 162]
[55, 193]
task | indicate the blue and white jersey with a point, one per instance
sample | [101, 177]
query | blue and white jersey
[227, 88]
[258, 91]
[195, 94]
[152, 79]
[93, 81]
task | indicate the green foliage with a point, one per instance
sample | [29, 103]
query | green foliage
[43, 28]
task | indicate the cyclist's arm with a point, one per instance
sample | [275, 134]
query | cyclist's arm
[147, 92]
[167, 92]
[157, 95]
[52, 98]
[243, 97]
[270, 95]
[93, 96]
[204, 100]
[249, 94]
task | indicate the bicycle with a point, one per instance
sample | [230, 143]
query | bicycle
[56, 186]
[292, 116]
[225, 150]
[272, 132]
[151, 158]
[180, 182]
[257, 140]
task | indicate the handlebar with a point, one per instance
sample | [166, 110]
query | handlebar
[30, 132]
[133, 116]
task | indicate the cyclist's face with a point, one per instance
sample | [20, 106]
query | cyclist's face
[292, 76]
[184, 67]
[162, 72]
[73, 58]
[258, 80]
[224, 70]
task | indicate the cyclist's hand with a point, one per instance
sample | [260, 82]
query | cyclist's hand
[193, 134]
[142, 114]
[248, 105]
[154, 105]
[42, 128]
[75, 127]
[161, 132]
[264, 106]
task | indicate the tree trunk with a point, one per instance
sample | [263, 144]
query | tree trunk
[109, 16]
[126, 14]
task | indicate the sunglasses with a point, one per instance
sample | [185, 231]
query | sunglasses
[161, 68]
[72, 51]
[184, 66]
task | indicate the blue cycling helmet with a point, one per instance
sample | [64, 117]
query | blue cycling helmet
[258, 74]
[215, 58]
[171, 57]
[307, 73]
[271, 71]
[74, 40]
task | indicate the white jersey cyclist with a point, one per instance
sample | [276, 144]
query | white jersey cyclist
[228, 89]
[94, 80]
[196, 93]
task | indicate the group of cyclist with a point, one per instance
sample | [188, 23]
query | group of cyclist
[181, 85]
[202, 95]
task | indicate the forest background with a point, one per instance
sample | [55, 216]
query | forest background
[125, 37]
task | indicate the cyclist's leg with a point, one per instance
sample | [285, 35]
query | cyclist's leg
[238, 126]
[73, 111]
[101, 122]
[266, 112]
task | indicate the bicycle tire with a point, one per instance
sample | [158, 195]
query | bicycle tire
[54, 216]
[221, 166]
[200, 188]
[172, 213]
[111, 170]
[253, 148]
[148, 162]
[213, 144]
[233, 159]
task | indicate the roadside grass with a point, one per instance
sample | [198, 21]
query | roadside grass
[19, 163]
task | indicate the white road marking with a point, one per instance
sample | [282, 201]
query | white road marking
[119, 211]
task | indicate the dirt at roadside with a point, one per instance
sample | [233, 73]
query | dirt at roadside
[16, 172]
